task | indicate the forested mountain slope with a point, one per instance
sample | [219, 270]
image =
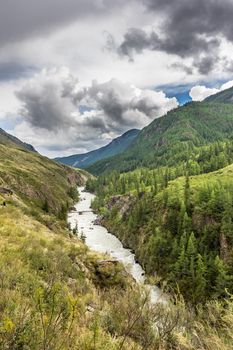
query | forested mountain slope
[181, 230]
[171, 139]
[117, 146]
[225, 96]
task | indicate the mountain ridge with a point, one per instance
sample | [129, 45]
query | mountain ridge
[116, 146]
[173, 136]
[7, 139]
[225, 96]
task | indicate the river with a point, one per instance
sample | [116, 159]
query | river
[97, 238]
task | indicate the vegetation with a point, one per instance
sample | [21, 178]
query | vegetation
[181, 230]
[178, 137]
[175, 208]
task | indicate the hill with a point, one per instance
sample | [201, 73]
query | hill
[171, 139]
[7, 139]
[117, 146]
[225, 96]
[36, 179]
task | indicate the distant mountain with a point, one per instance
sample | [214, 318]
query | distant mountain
[115, 147]
[7, 139]
[172, 138]
[225, 96]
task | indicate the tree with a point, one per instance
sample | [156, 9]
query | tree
[222, 278]
[187, 199]
[200, 280]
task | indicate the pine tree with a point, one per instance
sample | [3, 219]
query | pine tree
[190, 256]
[221, 278]
[187, 200]
[200, 280]
[227, 222]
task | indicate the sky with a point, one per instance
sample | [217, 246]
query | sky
[74, 74]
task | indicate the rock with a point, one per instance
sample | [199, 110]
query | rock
[90, 309]
[121, 202]
[107, 262]
[98, 220]
[4, 190]
[73, 209]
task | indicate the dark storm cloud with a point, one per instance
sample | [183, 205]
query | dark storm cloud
[21, 19]
[137, 40]
[206, 64]
[191, 28]
[13, 70]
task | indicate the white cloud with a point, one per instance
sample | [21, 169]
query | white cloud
[62, 116]
[200, 92]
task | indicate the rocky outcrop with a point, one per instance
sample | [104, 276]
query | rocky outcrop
[123, 203]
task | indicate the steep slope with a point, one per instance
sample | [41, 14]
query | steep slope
[117, 146]
[37, 179]
[171, 139]
[7, 139]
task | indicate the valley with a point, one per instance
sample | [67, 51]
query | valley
[87, 267]
[116, 175]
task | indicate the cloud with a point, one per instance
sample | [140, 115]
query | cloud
[189, 29]
[20, 19]
[45, 101]
[15, 70]
[200, 92]
[122, 104]
[54, 104]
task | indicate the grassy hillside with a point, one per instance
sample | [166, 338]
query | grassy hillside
[170, 140]
[37, 180]
[51, 286]
[117, 146]
[7, 139]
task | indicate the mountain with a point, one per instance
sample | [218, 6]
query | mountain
[115, 147]
[225, 96]
[35, 179]
[172, 138]
[7, 139]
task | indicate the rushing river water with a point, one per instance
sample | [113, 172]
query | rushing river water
[99, 239]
